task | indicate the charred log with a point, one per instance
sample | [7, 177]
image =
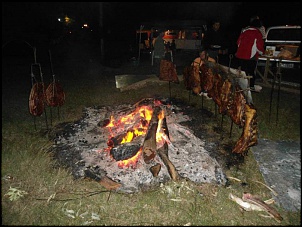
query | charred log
[163, 154]
[124, 151]
[149, 145]
[104, 123]
[155, 169]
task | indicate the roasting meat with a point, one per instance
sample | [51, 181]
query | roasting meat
[206, 77]
[54, 94]
[168, 71]
[249, 134]
[215, 92]
[228, 95]
[192, 78]
[37, 99]
[237, 106]
[225, 96]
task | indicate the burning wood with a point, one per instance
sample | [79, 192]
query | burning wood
[149, 146]
[131, 150]
[155, 169]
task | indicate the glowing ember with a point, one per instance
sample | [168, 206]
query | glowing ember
[135, 124]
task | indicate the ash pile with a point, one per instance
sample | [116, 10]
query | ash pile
[93, 149]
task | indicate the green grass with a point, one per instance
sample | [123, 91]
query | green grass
[55, 198]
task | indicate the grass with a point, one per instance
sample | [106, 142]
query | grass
[55, 198]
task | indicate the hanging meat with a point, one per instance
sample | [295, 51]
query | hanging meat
[37, 99]
[215, 92]
[225, 96]
[192, 78]
[168, 71]
[237, 106]
[54, 94]
[249, 134]
[206, 77]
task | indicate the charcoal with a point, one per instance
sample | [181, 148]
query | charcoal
[124, 151]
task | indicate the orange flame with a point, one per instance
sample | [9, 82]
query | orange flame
[130, 161]
[145, 114]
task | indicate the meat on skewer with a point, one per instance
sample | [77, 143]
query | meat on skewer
[168, 72]
[206, 77]
[237, 107]
[37, 99]
[215, 92]
[192, 79]
[249, 134]
[225, 96]
[54, 94]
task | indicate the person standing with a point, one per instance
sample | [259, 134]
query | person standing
[250, 45]
[173, 47]
[214, 40]
[262, 28]
[158, 52]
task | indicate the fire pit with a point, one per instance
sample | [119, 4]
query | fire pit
[133, 147]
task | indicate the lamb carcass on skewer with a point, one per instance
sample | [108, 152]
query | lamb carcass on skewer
[237, 106]
[37, 99]
[168, 71]
[215, 92]
[249, 134]
[225, 96]
[206, 78]
[192, 78]
[54, 94]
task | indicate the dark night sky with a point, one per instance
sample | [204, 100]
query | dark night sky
[128, 16]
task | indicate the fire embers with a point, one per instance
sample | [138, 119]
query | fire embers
[127, 134]
[142, 136]
[178, 153]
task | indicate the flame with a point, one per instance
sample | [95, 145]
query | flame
[142, 115]
[111, 124]
[159, 133]
[130, 161]
[128, 138]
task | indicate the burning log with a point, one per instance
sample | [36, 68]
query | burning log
[163, 154]
[124, 151]
[155, 169]
[149, 145]
[109, 184]
[100, 177]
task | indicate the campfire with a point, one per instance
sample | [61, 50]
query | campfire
[133, 147]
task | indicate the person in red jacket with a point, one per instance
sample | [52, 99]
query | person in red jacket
[250, 45]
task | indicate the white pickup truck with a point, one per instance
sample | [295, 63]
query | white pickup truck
[282, 44]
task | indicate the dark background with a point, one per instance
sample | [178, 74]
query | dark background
[36, 22]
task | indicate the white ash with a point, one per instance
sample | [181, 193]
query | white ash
[185, 151]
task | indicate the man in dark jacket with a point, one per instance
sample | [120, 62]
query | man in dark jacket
[214, 40]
